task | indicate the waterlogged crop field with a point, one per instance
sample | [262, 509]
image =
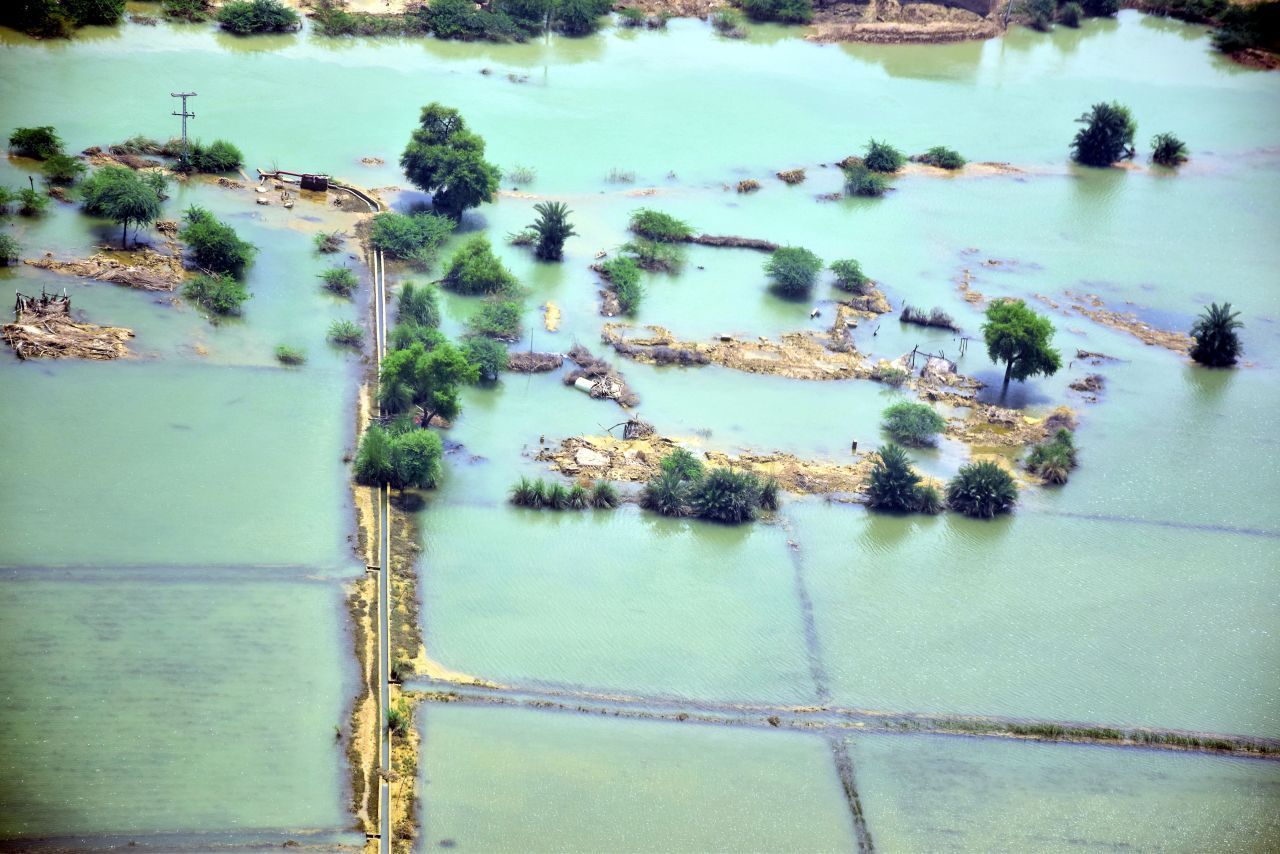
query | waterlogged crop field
[178, 533]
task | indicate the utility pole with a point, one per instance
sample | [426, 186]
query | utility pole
[186, 152]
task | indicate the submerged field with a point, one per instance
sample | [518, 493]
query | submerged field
[176, 528]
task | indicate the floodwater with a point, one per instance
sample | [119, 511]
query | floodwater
[173, 529]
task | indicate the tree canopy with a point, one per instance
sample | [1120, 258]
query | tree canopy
[1107, 135]
[427, 378]
[123, 196]
[446, 160]
[1216, 343]
[1021, 339]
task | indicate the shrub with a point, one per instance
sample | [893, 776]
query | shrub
[1216, 343]
[913, 423]
[557, 496]
[373, 465]
[929, 499]
[1053, 460]
[894, 484]
[579, 497]
[726, 495]
[942, 157]
[651, 255]
[890, 375]
[63, 169]
[1245, 26]
[769, 497]
[1069, 14]
[682, 464]
[340, 280]
[667, 494]
[660, 227]
[1039, 13]
[416, 459]
[9, 250]
[1100, 8]
[104, 12]
[40, 143]
[630, 16]
[406, 333]
[499, 320]
[883, 157]
[32, 203]
[218, 156]
[257, 16]
[1107, 135]
[446, 159]
[552, 229]
[193, 11]
[934, 317]
[346, 333]
[520, 174]
[982, 490]
[474, 269]
[849, 276]
[793, 270]
[7, 197]
[580, 17]
[290, 355]
[604, 496]
[216, 245]
[861, 181]
[782, 11]
[525, 494]
[418, 304]
[729, 23]
[623, 275]
[415, 238]
[1168, 150]
[489, 357]
[219, 293]
[328, 242]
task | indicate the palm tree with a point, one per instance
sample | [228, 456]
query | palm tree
[553, 229]
[982, 490]
[894, 483]
[1217, 345]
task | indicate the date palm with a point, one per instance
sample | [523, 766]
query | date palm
[1217, 344]
[553, 229]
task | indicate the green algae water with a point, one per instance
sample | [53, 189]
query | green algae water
[173, 562]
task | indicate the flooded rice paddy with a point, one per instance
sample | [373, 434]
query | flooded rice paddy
[175, 529]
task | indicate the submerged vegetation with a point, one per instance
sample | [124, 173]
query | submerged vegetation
[859, 180]
[895, 486]
[497, 319]
[39, 143]
[982, 490]
[659, 226]
[793, 270]
[219, 293]
[215, 245]
[1168, 150]
[781, 11]
[623, 275]
[243, 17]
[413, 238]
[540, 495]
[1053, 460]
[684, 487]
[1216, 343]
[475, 270]
[346, 333]
[126, 198]
[1107, 135]
[552, 228]
[399, 459]
[341, 280]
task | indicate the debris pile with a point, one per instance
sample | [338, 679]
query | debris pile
[598, 378]
[43, 329]
[995, 426]
[730, 241]
[791, 176]
[144, 269]
[534, 363]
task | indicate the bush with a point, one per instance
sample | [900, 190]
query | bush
[1069, 14]
[861, 181]
[1216, 343]
[630, 16]
[849, 276]
[894, 484]
[215, 244]
[40, 143]
[346, 333]
[934, 317]
[474, 269]
[1247, 26]
[218, 156]
[1100, 8]
[9, 250]
[1168, 150]
[604, 496]
[328, 242]
[682, 464]
[499, 320]
[290, 355]
[520, 174]
[913, 423]
[406, 333]
[220, 294]
[257, 16]
[411, 458]
[725, 495]
[623, 275]
[1039, 13]
[192, 11]
[1053, 460]
[883, 157]
[489, 357]
[942, 157]
[460, 19]
[793, 270]
[418, 304]
[729, 23]
[982, 490]
[552, 229]
[63, 169]
[782, 11]
[929, 499]
[580, 17]
[415, 238]
[651, 255]
[660, 227]
[340, 280]
[103, 12]
[32, 203]
[667, 494]
[890, 375]
[1107, 135]
[373, 465]
[769, 494]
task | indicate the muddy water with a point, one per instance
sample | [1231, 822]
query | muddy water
[1143, 593]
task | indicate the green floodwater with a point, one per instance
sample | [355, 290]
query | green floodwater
[174, 528]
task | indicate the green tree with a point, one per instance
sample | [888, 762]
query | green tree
[427, 378]
[1020, 338]
[849, 276]
[123, 196]
[579, 17]
[32, 202]
[63, 169]
[553, 229]
[416, 459]
[243, 17]
[793, 269]
[447, 160]
[1101, 8]
[474, 269]
[40, 143]
[1216, 343]
[982, 490]
[782, 11]
[1168, 150]
[913, 423]
[943, 158]
[1040, 13]
[9, 250]
[1107, 135]
[488, 356]
[106, 12]
[894, 483]
[218, 156]
[216, 245]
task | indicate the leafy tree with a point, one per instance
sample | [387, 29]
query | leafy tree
[1020, 338]
[415, 459]
[1107, 135]
[430, 379]
[782, 11]
[474, 269]
[63, 169]
[447, 160]
[883, 157]
[913, 423]
[982, 490]
[499, 320]
[1069, 14]
[488, 356]
[793, 269]
[553, 229]
[623, 275]
[9, 250]
[682, 464]
[418, 304]
[216, 245]
[849, 276]
[1216, 343]
[220, 294]
[243, 17]
[123, 196]
[659, 226]
[415, 238]
[894, 484]
[40, 143]
[726, 495]
[861, 181]
[1168, 150]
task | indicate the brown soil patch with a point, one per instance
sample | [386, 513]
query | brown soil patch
[144, 269]
[891, 22]
[990, 426]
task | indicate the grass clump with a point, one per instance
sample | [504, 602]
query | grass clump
[604, 495]
[623, 275]
[409, 458]
[1168, 150]
[287, 355]
[890, 375]
[413, 238]
[666, 494]
[652, 255]
[328, 242]
[683, 487]
[1053, 460]
[659, 226]
[630, 16]
[682, 464]
[982, 490]
[346, 333]
[883, 157]
[728, 496]
[913, 423]
[341, 280]
[540, 495]
[474, 269]
[219, 293]
[849, 276]
[215, 244]
[499, 319]
[729, 23]
[418, 304]
[793, 270]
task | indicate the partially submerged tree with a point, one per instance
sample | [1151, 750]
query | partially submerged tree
[894, 483]
[499, 319]
[1216, 343]
[63, 169]
[219, 293]
[1168, 150]
[782, 11]
[793, 269]
[9, 250]
[1020, 338]
[553, 229]
[474, 269]
[447, 160]
[849, 276]
[1107, 135]
[431, 379]
[861, 181]
[39, 142]
[660, 226]
[488, 356]
[123, 196]
[215, 245]
[982, 490]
